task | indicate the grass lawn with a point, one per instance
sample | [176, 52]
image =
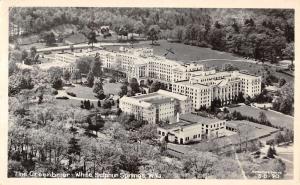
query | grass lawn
[82, 92]
[275, 118]
[68, 102]
[112, 88]
[86, 92]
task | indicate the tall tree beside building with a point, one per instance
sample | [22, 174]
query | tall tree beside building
[98, 89]
[90, 79]
[96, 66]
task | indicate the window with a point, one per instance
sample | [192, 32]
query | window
[163, 134]
[159, 132]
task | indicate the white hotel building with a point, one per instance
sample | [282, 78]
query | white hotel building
[191, 80]
[155, 107]
[205, 86]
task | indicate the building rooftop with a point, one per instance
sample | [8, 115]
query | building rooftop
[187, 82]
[160, 94]
[159, 100]
[136, 102]
[193, 118]
[177, 124]
[173, 95]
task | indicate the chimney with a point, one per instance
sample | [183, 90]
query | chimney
[177, 117]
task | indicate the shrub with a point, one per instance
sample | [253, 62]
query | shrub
[112, 80]
[62, 98]
[54, 92]
[71, 94]
[203, 44]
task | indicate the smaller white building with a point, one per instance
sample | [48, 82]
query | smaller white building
[190, 127]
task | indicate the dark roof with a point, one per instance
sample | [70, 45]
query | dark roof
[158, 100]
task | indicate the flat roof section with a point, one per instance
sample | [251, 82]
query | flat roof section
[193, 118]
[175, 125]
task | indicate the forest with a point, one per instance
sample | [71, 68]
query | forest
[261, 34]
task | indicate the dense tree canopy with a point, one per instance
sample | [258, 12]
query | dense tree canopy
[264, 34]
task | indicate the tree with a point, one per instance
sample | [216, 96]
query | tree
[90, 79]
[124, 90]
[33, 52]
[73, 149]
[98, 89]
[106, 104]
[55, 74]
[76, 75]
[148, 132]
[134, 85]
[92, 38]
[49, 38]
[96, 66]
[217, 38]
[271, 152]
[281, 82]
[153, 33]
[66, 75]
[139, 27]
[198, 165]
[83, 64]
[288, 51]
[155, 86]
[24, 55]
[279, 138]
[99, 103]
[240, 98]
[262, 117]
[20, 80]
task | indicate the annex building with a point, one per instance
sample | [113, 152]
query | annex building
[155, 107]
[191, 127]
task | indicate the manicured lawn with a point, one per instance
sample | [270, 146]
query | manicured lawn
[275, 118]
[82, 92]
[112, 88]
[67, 103]
[86, 92]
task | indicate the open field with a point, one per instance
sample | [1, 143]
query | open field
[182, 52]
[276, 119]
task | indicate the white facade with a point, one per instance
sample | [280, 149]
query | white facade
[154, 107]
[191, 127]
[205, 86]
